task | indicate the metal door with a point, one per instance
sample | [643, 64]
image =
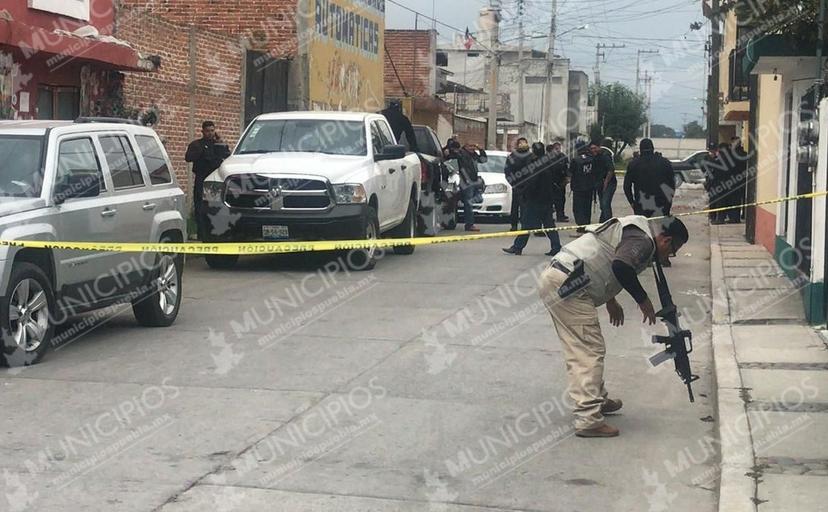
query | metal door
[266, 85]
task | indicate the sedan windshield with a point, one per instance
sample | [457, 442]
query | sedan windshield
[305, 135]
[21, 169]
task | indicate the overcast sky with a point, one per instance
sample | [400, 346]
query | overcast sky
[680, 70]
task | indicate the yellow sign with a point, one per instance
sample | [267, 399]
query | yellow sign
[345, 53]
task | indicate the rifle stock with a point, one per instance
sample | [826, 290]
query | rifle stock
[678, 342]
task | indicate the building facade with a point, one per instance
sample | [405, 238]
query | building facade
[61, 60]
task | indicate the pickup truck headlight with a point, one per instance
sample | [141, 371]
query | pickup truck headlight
[497, 188]
[350, 194]
[213, 191]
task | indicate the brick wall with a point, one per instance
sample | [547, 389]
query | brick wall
[259, 24]
[413, 54]
[217, 92]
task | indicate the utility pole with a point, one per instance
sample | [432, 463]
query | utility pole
[648, 89]
[597, 70]
[521, 102]
[494, 70]
[550, 71]
[820, 79]
[638, 69]
[713, 85]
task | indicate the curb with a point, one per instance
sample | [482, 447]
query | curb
[737, 490]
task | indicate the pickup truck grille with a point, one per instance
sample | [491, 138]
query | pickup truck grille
[259, 192]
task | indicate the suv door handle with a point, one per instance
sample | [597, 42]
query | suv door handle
[149, 207]
[404, 167]
[392, 171]
[109, 212]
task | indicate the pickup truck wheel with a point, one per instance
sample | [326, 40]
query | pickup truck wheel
[365, 259]
[27, 326]
[221, 262]
[408, 229]
[161, 306]
[679, 179]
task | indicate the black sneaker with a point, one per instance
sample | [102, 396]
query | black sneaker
[513, 250]
[553, 253]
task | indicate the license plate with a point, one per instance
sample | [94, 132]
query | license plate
[275, 232]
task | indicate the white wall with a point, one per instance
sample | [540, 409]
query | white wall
[673, 149]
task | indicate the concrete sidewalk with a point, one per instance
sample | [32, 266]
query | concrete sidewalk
[772, 377]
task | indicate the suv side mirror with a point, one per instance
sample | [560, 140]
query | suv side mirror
[391, 152]
[77, 185]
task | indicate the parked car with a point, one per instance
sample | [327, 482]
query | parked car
[437, 195]
[107, 182]
[689, 170]
[305, 176]
[497, 196]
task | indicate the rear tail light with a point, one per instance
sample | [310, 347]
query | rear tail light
[424, 173]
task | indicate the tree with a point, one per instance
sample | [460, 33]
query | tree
[621, 112]
[662, 131]
[694, 130]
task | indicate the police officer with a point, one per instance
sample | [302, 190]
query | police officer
[582, 183]
[534, 184]
[650, 183]
[561, 178]
[588, 273]
[515, 162]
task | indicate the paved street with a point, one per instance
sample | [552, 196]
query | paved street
[435, 383]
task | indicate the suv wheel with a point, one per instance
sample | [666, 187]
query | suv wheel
[408, 229]
[365, 259]
[27, 327]
[221, 262]
[161, 306]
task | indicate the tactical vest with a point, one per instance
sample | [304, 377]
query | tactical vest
[596, 249]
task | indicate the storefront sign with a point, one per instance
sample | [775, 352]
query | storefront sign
[345, 51]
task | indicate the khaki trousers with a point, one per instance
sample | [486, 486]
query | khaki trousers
[576, 320]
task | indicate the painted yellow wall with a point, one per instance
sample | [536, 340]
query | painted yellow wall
[769, 138]
[346, 60]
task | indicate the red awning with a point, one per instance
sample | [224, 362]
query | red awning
[62, 48]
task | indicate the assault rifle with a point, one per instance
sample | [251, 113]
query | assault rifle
[678, 342]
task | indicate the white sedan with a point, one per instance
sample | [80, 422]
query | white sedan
[497, 198]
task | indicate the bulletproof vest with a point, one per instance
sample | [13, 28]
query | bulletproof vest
[596, 249]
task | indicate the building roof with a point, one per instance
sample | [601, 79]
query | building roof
[451, 87]
[64, 46]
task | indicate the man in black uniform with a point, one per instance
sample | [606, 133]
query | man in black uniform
[206, 154]
[649, 184]
[582, 184]
[738, 178]
[514, 163]
[533, 181]
[560, 166]
[400, 124]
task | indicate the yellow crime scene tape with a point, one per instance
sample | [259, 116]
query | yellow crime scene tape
[253, 248]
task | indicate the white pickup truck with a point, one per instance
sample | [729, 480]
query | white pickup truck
[303, 176]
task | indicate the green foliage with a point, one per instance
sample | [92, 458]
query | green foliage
[795, 18]
[694, 130]
[595, 132]
[662, 131]
[621, 112]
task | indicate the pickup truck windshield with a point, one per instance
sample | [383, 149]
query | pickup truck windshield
[305, 136]
[21, 169]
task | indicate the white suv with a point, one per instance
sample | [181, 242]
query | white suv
[93, 180]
